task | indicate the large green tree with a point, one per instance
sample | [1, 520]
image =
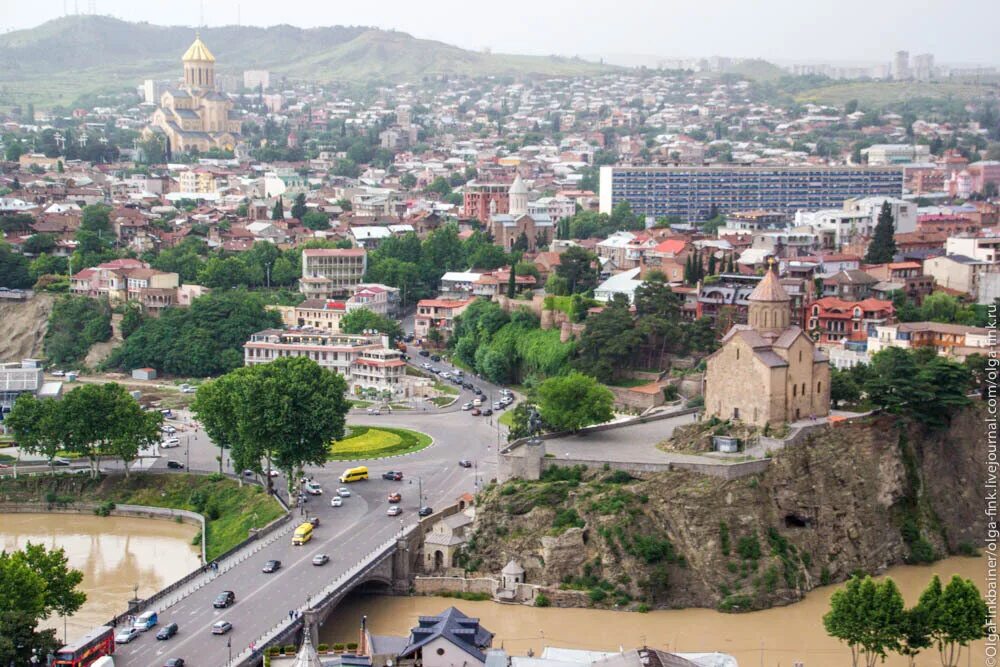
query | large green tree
[14, 272]
[577, 267]
[609, 343]
[570, 402]
[359, 320]
[299, 206]
[955, 615]
[868, 616]
[37, 424]
[883, 244]
[22, 606]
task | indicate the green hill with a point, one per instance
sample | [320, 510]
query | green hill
[62, 59]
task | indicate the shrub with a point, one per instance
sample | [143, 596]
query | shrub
[288, 649]
[338, 647]
[724, 537]
[597, 595]
[322, 648]
[619, 477]
[351, 646]
[567, 518]
[748, 547]
[196, 540]
[824, 577]
[542, 601]
[967, 549]
[696, 402]
[643, 608]
[105, 508]
[273, 650]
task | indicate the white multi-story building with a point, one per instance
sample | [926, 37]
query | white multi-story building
[363, 360]
[329, 272]
[881, 155]
[904, 213]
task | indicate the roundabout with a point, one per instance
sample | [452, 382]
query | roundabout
[377, 442]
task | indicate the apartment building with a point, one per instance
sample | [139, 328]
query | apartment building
[691, 193]
[959, 273]
[438, 314]
[363, 360]
[889, 154]
[481, 200]
[833, 320]
[331, 272]
[949, 340]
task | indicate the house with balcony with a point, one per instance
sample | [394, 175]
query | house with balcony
[438, 314]
[852, 285]
[832, 321]
[948, 340]
[332, 272]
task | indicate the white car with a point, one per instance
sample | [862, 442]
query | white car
[314, 489]
[467, 406]
[336, 501]
[169, 430]
[126, 635]
[343, 492]
[170, 442]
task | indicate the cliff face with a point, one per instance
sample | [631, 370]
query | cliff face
[860, 496]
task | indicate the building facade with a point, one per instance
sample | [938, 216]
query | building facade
[481, 200]
[768, 371]
[438, 314]
[691, 193]
[364, 361]
[331, 272]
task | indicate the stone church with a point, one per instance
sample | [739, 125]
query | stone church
[767, 371]
[196, 116]
[507, 228]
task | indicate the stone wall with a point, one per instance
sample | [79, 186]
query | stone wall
[627, 399]
[435, 585]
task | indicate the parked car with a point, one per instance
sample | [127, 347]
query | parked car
[477, 391]
[424, 353]
[59, 374]
[221, 627]
[487, 412]
[395, 497]
[170, 443]
[467, 385]
[271, 566]
[476, 412]
[314, 489]
[497, 405]
[343, 492]
[169, 430]
[224, 599]
[174, 662]
[465, 463]
[393, 476]
[336, 501]
[274, 473]
[467, 406]
[425, 511]
[167, 631]
[188, 389]
[59, 461]
[374, 411]
[248, 473]
[321, 559]
[435, 358]
[394, 511]
[175, 465]
[127, 635]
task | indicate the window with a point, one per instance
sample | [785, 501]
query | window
[800, 356]
[803, 388]
[737, 353]
[795, 390]
[819, 387]
[440, 651]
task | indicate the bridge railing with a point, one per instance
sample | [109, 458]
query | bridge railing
[287, 627]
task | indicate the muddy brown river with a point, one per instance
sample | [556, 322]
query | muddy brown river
[114, 553]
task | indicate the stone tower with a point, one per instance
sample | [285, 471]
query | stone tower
[770, 309]
[518, 194]
[199, 66]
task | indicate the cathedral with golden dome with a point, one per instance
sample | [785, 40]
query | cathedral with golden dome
[194, 115]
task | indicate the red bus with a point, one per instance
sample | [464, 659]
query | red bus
[95, 644]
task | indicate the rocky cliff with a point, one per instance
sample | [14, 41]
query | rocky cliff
[861, 496]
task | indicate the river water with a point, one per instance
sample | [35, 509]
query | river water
[776, 637]
[114, 554]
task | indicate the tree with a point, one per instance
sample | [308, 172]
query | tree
[512, 281]
[408, 180]
[316, 220]
[915, 634]
[298, 207]
[131, 320]
[363, 319]
[882, 248]
[843, 388]
[36, 424]
[576, 267]
[440, 186]
[61, 581]
[22, 605]
[609, 343]
[622, 217]
[570, 402]
[868, 616]
[215, 405]
[955, 616]
[14, 272]
[278, 212]
[36, 244]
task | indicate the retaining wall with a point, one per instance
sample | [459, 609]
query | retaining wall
[433, 585]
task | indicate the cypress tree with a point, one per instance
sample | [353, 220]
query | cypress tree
[711, 264]
[883, 244]
[278, 212]
[512, 281]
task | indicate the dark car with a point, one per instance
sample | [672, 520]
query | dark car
[477, 391]
[175, 465]
[465, 463]
[425, 511]
[435, 357]
[174, 662]
[271, 566]
[467, 385]
[424, 353]
[224, 599]
[487, 412]
[167, 631]
[393, 476]
[59, 461]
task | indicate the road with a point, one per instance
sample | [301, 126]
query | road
[347, 534]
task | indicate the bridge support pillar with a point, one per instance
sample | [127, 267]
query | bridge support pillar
[311, 621]
[402, 573]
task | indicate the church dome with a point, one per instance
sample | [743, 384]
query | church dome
[518, 187]
[198, 52]
[769, 289]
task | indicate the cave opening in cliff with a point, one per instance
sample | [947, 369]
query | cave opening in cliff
[795, 521]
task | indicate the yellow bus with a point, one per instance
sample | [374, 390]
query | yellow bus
[303, 534]
[354, 475]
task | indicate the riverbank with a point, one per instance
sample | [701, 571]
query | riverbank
[776, 637]
[230, 510]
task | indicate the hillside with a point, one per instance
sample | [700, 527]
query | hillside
[22, 327]
[64, 58]
[880, 94]
[862, 496]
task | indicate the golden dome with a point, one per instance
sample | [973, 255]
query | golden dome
[198, 52]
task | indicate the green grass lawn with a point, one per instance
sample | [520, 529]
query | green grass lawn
[446, 388]
[373, 442]
[442, 401]
[229, 509]
[882, 93]
[507, 418]
[354, 403]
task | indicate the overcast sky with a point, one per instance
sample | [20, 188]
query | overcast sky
[962, 31]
